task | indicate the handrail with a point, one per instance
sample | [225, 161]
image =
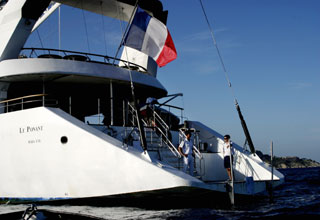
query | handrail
[105, 57]
[166, 127]
[23, 101]
[157, 116]
[23, 97]
[169, 144]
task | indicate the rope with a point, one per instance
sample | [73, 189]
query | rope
[105, 40]
[59, 27]
[218, 51]
[39, 38]
[126, 53]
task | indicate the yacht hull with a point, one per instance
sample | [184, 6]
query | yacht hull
[48, 154]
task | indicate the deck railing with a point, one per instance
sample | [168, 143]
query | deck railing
[80, 56]
[24, 102]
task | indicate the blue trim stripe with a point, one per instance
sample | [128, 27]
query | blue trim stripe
[137, 30]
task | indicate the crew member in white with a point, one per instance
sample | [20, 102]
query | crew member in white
[185, 149]
[227, 153]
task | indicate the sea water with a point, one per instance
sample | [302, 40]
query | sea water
[298, 197]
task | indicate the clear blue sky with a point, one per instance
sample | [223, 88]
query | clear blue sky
[271, 49]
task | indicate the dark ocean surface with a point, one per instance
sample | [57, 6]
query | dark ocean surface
[298, 197]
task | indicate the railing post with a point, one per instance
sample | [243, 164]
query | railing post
[99, 111]
[271, 163]
[70, 105]
[43, 92]
[123, 114]
[231, 194]
[111, 103]
[271, 160]
[151, 137]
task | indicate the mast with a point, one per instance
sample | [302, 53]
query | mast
[243, 123]
[245, 129]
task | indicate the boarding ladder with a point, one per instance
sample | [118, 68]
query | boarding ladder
[157, 135]
[159, 140]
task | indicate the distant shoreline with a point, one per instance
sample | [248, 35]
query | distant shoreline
[288, 162]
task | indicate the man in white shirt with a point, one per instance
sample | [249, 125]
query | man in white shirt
[185, 149]
[227, 153]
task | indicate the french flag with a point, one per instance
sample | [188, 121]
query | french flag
[150, 36]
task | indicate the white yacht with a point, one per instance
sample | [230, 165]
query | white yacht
[52, 150]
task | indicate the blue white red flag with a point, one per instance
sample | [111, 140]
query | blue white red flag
[150, 36]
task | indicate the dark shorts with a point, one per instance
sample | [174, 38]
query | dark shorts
[226, 161]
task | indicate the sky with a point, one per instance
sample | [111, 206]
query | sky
[271, 50]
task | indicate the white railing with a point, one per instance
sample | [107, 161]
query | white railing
[159, 123]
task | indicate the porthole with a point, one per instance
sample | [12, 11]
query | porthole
[64, 139]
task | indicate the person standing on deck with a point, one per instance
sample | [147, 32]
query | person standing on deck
[227, 153]
[185, 149]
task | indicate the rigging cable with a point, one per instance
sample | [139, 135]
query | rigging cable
[104, 31]
[59, 26]
[243, 123]
[218, 51]
[39, 38]
[85, 25]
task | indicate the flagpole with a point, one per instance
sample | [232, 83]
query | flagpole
[139, 121]
[127, 28]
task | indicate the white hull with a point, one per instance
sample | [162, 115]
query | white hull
[46, 154]
[35, 164]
